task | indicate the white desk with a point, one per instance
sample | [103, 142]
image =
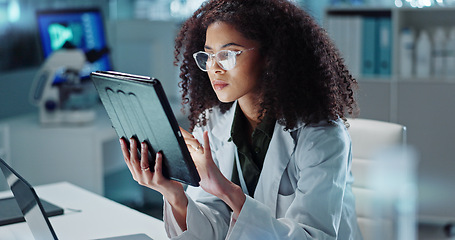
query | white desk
[98, 217]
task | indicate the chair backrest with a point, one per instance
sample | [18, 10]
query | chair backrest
[368, 138]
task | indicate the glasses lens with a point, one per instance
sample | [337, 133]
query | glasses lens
[226, 59]
[201, 60]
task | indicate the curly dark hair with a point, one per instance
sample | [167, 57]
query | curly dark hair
[304, 78]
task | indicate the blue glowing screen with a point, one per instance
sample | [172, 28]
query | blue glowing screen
[83, 28]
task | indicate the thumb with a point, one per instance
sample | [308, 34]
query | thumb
[207, 144]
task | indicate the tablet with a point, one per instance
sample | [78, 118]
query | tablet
[138, 108]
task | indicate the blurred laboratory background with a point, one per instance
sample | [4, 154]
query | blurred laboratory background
[52, 127]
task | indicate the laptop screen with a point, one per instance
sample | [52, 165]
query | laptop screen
[28, 202]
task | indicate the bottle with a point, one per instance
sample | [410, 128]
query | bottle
[439, 47]
[423, 55]
[406, 52]
[450, 57]
[393, 180]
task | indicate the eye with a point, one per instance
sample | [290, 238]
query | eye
[223, 55]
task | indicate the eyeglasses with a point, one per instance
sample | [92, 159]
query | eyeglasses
[226, 59]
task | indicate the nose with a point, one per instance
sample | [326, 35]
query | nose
[216, 68]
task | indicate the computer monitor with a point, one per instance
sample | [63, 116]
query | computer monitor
[80, 28]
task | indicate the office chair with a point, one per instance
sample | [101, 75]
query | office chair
[368, 138]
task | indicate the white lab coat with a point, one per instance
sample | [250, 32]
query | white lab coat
[303, 192]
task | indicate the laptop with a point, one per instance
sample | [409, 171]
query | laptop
[11, 213]
[33, 208]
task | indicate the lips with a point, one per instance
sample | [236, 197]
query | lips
[219, 85]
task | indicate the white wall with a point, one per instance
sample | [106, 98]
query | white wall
[146, 48]
[14, 92]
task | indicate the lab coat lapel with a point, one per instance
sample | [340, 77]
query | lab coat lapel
[275, 162]
[224, 152]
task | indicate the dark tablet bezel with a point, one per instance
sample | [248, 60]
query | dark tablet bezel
[155, 85]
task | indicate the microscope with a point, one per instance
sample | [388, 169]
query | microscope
[58, 90]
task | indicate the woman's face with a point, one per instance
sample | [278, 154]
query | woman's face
[242, 81]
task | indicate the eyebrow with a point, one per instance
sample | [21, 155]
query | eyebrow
[225, 45]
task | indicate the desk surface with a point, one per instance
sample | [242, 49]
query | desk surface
[87, 216]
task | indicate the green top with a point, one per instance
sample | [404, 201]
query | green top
[251, 153]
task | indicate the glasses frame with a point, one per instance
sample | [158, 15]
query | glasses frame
[215, 56]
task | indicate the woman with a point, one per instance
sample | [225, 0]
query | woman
[267, 94]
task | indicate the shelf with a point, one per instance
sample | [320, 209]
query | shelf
[446, 80]
[425, 9]
[423, 105]
[439, 80]
[375, 79]
[363, 11]
[415, 18]
[425, 18]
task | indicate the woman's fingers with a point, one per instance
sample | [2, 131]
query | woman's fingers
[144, 157]
[191, 142]
[133, 149]
[134, 160]
[125, 152]
[144, 173]
[158, 162]
[142, 170]
[206, 143]
[195, 147]
[159, 167]
[206, 140]
[153, 178]
[147, 175]
[126, 155]
[185, 133]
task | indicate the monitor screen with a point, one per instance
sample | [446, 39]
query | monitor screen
[80, 28]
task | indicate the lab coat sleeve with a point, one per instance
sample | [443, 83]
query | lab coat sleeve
[207, 218]
[322, 156]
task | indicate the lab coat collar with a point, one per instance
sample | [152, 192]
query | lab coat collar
[279, 153]
[222, 129]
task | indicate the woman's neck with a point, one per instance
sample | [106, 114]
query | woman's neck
[250, 109]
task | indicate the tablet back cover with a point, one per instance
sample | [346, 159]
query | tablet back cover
[139, 108]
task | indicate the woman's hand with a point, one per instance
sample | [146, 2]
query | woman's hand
[212, 180]
[140, 169]
[141, 172]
